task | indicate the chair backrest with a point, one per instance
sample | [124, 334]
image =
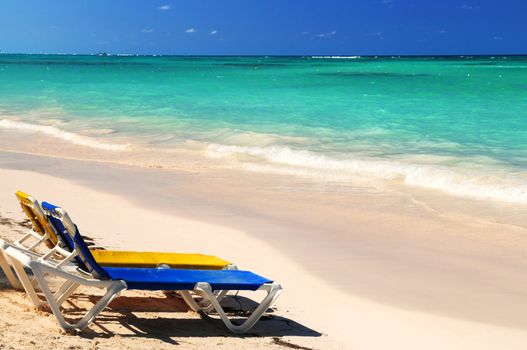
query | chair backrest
[63, 223]
[39, 222]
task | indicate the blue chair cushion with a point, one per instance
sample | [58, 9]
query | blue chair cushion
[174, 279]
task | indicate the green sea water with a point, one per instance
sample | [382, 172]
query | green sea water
[455, 124]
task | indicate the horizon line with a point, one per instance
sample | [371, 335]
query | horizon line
[108, 54]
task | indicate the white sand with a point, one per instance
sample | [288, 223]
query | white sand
[418, 280]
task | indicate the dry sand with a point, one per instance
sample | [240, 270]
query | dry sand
[357, 274]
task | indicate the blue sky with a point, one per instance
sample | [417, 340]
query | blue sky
[270, 27]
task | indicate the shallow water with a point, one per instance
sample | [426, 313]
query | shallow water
[454, 124]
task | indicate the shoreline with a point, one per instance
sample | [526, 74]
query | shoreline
[487, 184]
[377, 263]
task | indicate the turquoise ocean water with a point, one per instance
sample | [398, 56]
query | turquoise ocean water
[455, 124]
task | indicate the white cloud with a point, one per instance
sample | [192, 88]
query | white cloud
[164, 8]
[378, 35]
[497, 38]
[442, 31]
[147, 30]
[469, 7]
[214, 32]
[190, 30]
[326, 35]
[304, 33]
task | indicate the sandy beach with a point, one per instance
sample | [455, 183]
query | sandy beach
[322, 175]
[358, 273]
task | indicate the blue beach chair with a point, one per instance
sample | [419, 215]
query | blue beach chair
[204, 283]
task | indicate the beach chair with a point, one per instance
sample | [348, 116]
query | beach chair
[116, 279]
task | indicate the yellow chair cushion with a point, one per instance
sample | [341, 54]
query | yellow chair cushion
[38, 221]
[147, 259]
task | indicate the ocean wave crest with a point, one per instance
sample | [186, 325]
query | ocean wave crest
[63, 135]
[336, 57]
[455, 181]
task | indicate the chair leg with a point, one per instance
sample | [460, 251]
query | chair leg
[206, 305]
[185, 294]
[4, 264]
[111, 293]
[30, 285]
[65, 291]
[113, 289]
[27, 283]
[273, 291]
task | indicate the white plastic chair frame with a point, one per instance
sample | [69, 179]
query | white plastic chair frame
[41, 267]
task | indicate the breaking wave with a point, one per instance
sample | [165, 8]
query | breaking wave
[63, 135]
[456, 181]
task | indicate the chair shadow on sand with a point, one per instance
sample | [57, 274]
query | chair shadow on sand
[172, 318]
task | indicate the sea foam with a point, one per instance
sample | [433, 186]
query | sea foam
[456, 181]
[63, 135]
